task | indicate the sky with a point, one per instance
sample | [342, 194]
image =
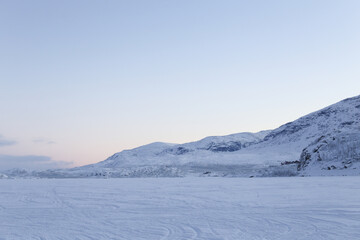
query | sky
[81, 80]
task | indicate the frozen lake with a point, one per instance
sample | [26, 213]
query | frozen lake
[181, 208]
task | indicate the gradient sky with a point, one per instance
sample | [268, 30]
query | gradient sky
[81, 80]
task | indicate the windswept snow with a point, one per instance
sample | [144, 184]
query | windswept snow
[181, 208]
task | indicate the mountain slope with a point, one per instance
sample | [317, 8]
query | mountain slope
[343, 116]
[326, 139]
[325, 142]
[205, 151]
[265, 152]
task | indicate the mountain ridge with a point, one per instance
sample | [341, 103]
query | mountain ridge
[331, 134]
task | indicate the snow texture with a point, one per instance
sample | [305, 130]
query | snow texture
[180, 208]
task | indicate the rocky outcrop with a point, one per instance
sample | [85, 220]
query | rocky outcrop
[332, 152]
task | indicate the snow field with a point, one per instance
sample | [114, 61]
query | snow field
[180, 208]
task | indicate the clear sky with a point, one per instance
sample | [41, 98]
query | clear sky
[81, 80]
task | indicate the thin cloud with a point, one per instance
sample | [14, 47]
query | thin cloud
[43, 140]
[30, 162]
[6, 142]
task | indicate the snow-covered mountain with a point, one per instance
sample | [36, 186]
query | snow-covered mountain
[205, 151]
[325, 142]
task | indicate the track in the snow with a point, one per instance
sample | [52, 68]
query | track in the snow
[181, 208]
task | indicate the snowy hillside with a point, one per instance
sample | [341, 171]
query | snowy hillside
[328, 139]
[205, 151]
[338, 153]
[325, 142]
[267, 153]
[340, 117]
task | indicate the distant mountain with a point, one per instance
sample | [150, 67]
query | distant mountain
[205, 151]
[326, 142]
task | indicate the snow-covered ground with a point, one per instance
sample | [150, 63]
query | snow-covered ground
[181, 208]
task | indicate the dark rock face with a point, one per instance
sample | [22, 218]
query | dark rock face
[181, 151]
[307, 155]
[225, 147]
[290, 162]
[177, 151]
[230, 146]
[347, 123]
[326, 112]
[332, 152]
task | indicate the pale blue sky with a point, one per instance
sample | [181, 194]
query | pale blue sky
[81, 80]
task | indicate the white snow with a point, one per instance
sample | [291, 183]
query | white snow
[181, 208]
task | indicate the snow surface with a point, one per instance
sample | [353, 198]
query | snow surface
[180, 208]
